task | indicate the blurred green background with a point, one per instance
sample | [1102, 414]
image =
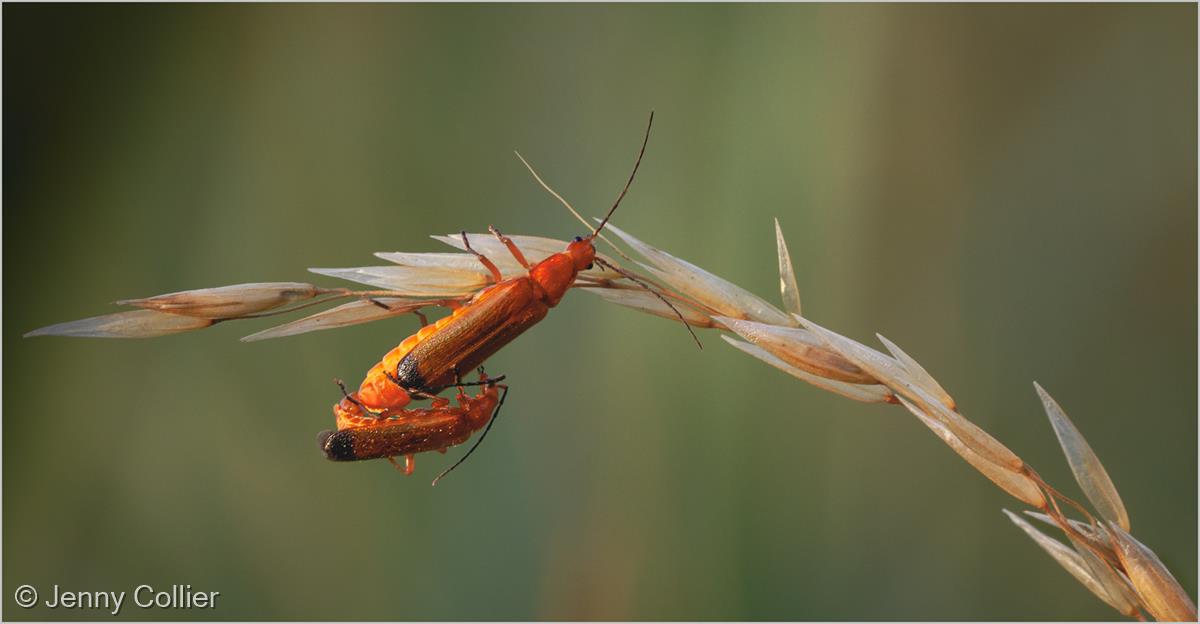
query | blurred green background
[1009, 192]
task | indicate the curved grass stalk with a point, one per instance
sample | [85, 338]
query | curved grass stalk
[1100, 554]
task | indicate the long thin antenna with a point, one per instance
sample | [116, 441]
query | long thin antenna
[636, 164]
[566, 203]
[661, 298]
[495, 415]
[552, 191]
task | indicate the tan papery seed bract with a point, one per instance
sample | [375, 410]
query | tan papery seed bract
[353, 313]
[800, 348]
[1017, 484]
[1160, 593]
[875, 393]
[132, 324]
[1093, 479]
[789, 291]
[224, 302]
[1071, 561]
[692, 281]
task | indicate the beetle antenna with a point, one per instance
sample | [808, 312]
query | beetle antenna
[656, 294]
[491, 422]
[636, 164]
[564, 202]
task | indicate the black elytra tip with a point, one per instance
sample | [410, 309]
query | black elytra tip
[336, 447]
[407, 375]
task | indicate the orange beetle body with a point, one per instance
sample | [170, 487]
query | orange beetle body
[373, 421]
[432, 358]
[405, 432]
[494, 318]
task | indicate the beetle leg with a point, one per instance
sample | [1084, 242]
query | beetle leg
[512, 247]
[420, 394]
[488, 264]
[364, 408]
[407, 467]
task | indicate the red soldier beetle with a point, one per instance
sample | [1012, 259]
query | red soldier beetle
[422, 365]
[394, 432]
[430, 360]
[500, 312]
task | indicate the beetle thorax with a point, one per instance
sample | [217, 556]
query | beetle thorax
[554, 276]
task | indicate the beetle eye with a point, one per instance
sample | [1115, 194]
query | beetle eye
[589, 266]
[579, 239]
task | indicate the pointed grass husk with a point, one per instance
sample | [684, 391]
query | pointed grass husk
[892, 374]
[226, 302]
[919, 374]
[413, 281]
[800, 348]
[1093, 479]
[859, 392]
[352, 313]
[1160, 593]
[1116, 584]
[788, 290]
[695, 283]
[1016, 483]
[643, 301]
[1072, 562]
[131, 324]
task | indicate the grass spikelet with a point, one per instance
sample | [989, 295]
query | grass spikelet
[788, 290]
[1088, 470]
[133, 324]
[1073, 562]
[1114, 566]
